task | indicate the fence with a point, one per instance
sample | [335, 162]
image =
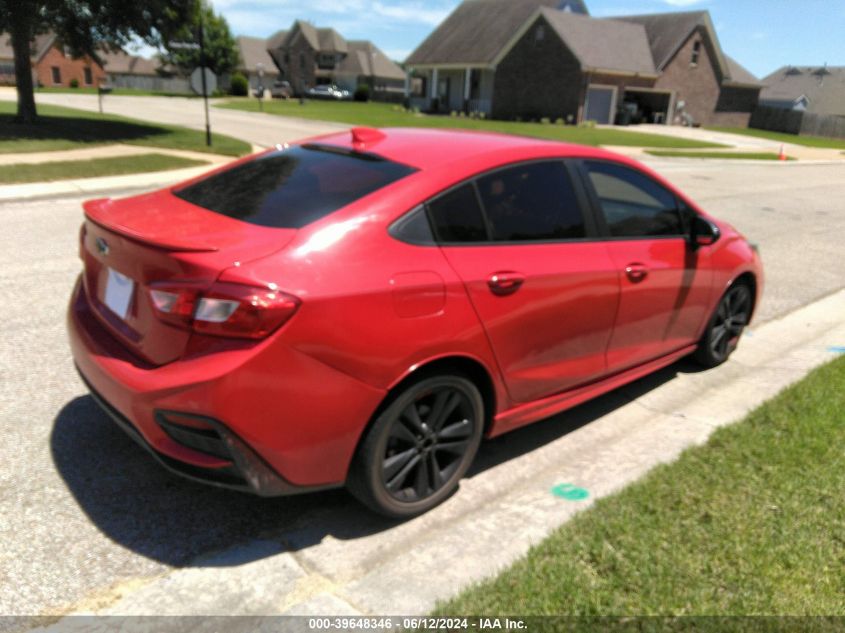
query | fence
[154, 84]
[797, 122]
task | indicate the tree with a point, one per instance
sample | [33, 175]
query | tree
[85, 27]
[221, 50]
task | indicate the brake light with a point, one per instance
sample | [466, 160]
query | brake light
[229, 310]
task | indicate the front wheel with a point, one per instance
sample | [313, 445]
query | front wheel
[415, 453]
[725, 327]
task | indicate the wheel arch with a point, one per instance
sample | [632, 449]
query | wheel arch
[468, 366]
[750, 279]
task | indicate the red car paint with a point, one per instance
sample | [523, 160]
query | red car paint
[549, 324]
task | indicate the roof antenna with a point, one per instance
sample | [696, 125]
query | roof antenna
[363, 136]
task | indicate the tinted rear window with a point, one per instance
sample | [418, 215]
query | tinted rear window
[293, 187]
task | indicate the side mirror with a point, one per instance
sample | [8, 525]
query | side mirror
[704, 233]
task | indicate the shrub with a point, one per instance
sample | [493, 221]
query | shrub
[545, 120]
[362, 93]
[74, 83]
[560, 121]
[239, 86]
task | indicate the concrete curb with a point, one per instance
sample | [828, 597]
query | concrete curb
[92, 186]
[503, 508]
[105, 184]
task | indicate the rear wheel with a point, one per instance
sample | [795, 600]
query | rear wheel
[415, 453]
[725, 327]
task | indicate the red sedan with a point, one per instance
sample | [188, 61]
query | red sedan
[362, 308]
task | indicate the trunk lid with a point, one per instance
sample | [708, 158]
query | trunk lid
[129, 245]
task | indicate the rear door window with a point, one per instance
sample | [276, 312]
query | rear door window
[456, 216]
[532, 202]
[633, 204]
[294, 187]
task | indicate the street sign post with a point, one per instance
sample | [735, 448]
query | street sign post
[204, 86]
[259, 92]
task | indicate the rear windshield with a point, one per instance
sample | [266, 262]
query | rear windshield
[293, 187]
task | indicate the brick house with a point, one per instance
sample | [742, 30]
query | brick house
[547, 58]
[52, 64]
[308, 56]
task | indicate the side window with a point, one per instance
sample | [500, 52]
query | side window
[633, 204]
[456, 217]
[534, 201]
[413, 228]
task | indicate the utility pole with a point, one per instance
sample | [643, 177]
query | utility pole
[204, 82]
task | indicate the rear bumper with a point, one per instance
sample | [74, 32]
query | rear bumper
[279, 422]
[246, 472]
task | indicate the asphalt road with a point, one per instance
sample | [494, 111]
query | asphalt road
[263, 130]
[85, 511]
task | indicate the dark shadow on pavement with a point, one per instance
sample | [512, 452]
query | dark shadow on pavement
[146, 509]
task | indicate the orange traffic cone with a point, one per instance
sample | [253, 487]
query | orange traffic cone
[782, 155]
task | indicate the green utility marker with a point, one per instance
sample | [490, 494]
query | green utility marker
[570, 492]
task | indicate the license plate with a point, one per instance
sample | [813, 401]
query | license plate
[119, 290]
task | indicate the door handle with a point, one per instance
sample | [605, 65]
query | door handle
[636, 272]
[505, 283]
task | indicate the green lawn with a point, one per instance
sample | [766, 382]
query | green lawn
[61, 128]
[388, 115]
[725, 155]
[807, 141]
[753, 522]
[66, 170]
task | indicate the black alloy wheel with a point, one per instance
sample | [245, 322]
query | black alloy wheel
[726, 326]
[414, 455]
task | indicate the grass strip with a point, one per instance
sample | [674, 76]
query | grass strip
[60, 128]
[387, 115]
[752, 522]
[781, 137]
[722, 155]
[71, 169]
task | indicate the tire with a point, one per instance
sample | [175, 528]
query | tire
[414, 455]
[725, 326]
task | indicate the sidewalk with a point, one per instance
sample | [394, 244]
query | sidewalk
[143, 180]
[601, 446]
[105, 151]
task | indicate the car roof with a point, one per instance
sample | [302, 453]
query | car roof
[427, 149]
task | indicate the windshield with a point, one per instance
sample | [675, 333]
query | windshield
[294, 187]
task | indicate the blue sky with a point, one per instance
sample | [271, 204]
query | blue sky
[761, 34]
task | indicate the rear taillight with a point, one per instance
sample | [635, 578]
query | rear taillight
[230, 310]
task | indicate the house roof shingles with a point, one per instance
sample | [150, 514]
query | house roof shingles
[253, 51]
[365, 58]
[457, 39]
[740, 75]
[587, 38]
[826, 93]
[667, 31]
[40, 45]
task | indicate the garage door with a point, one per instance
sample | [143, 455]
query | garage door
[599, 104]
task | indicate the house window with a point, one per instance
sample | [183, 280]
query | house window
[540, 34]
[89, 78]
[696, 53]
[57, 75]
[302, 61]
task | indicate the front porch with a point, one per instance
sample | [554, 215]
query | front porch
[446, 89]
